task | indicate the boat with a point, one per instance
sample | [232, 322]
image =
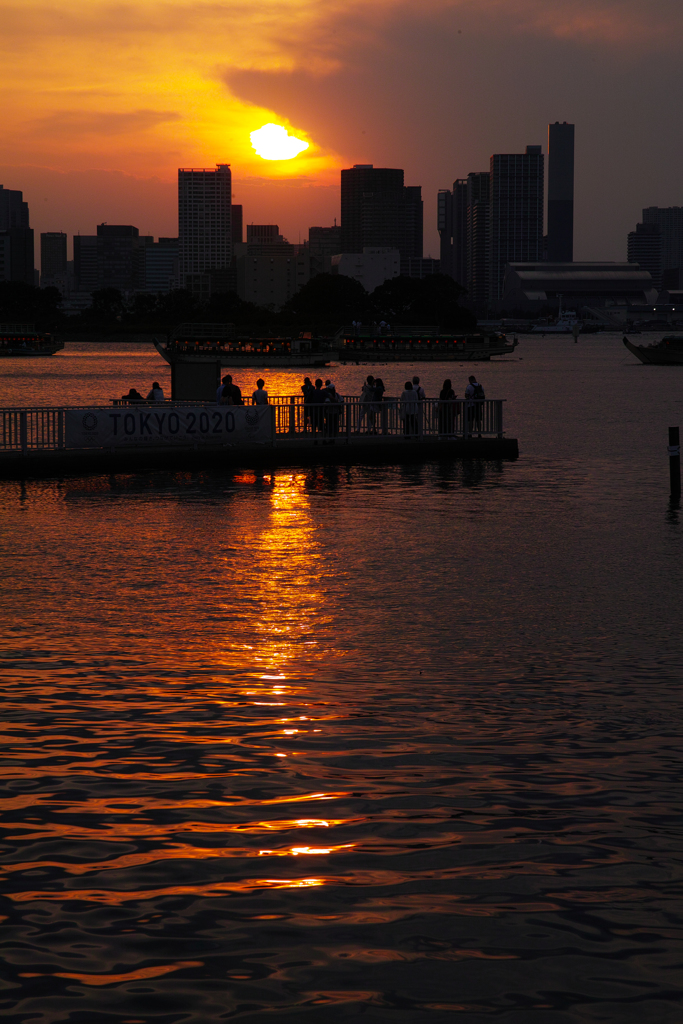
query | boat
[666, 352]
[25, 340]
[564, 324]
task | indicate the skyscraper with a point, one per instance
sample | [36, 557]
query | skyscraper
[237, 230]
[560, 192]
[670, 222]
[477, 237]
[378, 211]
[645, 248]
[205, 227]
[17, 237]
[52, 254]
[515, 213]
[452, 226]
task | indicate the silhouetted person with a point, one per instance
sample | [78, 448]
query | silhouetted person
[367, 396]
[418, 389]
[474, 393]
[446, 408]
[409, 410]
[132, 396]
[308, 391]
[260, 396]
[156, 394]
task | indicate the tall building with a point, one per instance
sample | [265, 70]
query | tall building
[378, 211]
[204, 227]
[237, 230]
[452, 227]
[324, 242]
[161, 266]
[17, 238]
[645, 249]
[121, 258]
[560, 192]
[670, 222]
[476, 255]
[53, 262]
[515, 213]
[86, 264]
[52, 254]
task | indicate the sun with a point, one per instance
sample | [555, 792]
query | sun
[273, 142]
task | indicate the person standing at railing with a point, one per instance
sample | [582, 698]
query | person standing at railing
[229, 393]
[366, 407]
[418, 389]
[156, 394]
[318, 399]
[409, 410]
[260, 396]
[308, 391]
[474, 393]
[334, 403]
[446, 409]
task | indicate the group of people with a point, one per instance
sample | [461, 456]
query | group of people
[229, 393]
[323, 404]
[155, 394]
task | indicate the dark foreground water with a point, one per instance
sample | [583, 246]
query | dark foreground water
[396, 744]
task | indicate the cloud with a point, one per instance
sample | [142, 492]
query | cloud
[72, 123]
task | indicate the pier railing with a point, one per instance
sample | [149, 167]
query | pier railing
[44, 428]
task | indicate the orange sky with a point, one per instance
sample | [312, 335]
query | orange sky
[102, 102]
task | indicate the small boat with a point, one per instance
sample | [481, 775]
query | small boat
[667, 352]
[25, 340]
[563, 325]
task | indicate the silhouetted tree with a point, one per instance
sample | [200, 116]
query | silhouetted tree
[22, 303]
[330, 299]
[430, 300]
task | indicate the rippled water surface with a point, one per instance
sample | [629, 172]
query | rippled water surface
[394, 743]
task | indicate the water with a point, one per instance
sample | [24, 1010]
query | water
[397, 743]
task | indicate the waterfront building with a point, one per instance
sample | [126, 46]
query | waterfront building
[370, 268]
[16, 238]
[205, 242]
[645, 248]
[560, 192]
[515, 213]
[529, 287]
[379, 211]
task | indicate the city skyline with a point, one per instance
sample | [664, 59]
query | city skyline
[109, 104]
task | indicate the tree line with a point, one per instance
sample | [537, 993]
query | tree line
[323, 304]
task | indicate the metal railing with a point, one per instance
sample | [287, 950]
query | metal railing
[41, 428]
[430, 418]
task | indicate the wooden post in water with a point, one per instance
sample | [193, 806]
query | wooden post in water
[675, 462]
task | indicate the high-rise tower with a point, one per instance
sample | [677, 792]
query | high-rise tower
[377, 210]
[560, 192]
[204, 227]
[16, 238]
[515, 213]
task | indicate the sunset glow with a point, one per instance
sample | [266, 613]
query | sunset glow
[273, 142]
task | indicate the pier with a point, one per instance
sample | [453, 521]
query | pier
[149, 435]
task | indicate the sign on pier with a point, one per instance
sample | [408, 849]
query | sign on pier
[130, 427]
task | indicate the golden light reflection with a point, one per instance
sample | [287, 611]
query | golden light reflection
[115, 897]
[290, 562]
[115, 979]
